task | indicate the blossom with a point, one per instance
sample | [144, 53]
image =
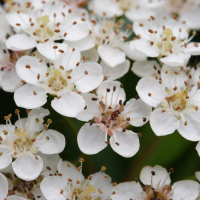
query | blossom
[70, 184]
[176, 104]
[31, 189]
[4, 190]
[21, 143]
[111, 117]
[133, 9]
[64, 75]
[169, 42]
[157, 186]
[53, 22]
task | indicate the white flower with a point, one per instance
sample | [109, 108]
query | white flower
[53, 22]
[133, 9]
[4, 190]
[31, 189]
[21, 144]
[157, 186]
[169, 42]
[176, 103]
[71, 184]
[111, 118]
[147, 68]
[60, 79]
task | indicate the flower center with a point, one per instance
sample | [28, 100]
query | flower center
[125, 4]
[57, 82]
[178, 6]
[23, 186]
[178, 101]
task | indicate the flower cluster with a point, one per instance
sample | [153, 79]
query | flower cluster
[70, 54]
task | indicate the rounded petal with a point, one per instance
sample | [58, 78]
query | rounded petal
[112, 73]
[144, 47]
[191, 131]
[114, 96]
[5, 158]
[28, 167]
[51, 162]
[83, 45]
[146, 68]
[30, 74]
[24, 96]
[125, 144]
[127, 191]
[174, 60]
[91, 139]
[151, 91]
[137, 111]
[185, 190]
[69, 172]
[91, 80]
[20, 42]
[4, 186]
[10, 81]
[70, 104]
[133, 54]
[160, 175]
[55, 143]
[112, 57]
[163, 123]
[51, 187]
[46, 49]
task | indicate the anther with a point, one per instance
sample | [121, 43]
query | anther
[74, 23]
[17, 111]
[49, 168]
[86, 72]
[34, 92]
[38, 76]
[106, 176]
[69, 179]
[47, 138]
[28, 66]
[68, 165]
[171, 170]
[5, 132]
[153, 173]
[139, 134]
[45, 127]
[61, 67]
[136, 180]
[90, 178]
[196, 108]
[36, 157]
[151, 43]
[186, 123]
[49, 121]
[195, 44]
[55, 47]
[149, 94]
[117, 143]
[73, 49]
[37, 120]
[144, 119]
[94, 99]
[81, 160]
[61, 191]
[176, 73]
[1, 153]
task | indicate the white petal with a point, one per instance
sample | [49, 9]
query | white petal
[197, 174]
[127, 191]
[111, 56]
[193, 50]
[38, 193]
[137, 110]
[83, 45]
[20, 42]
[69, 172]
[46, 49]
[49, 161]
[91, 55]
[70, 104]
[91, 139]
[144, 47]
[151, 91]
[92, 108]
[4, 186]
[198, 148]
[146, 68]
[51, 187]
[160, 175]
[30, 75]
[25, 98]
[113, 97]
[55, 144]
[185, 190]
[170, 79]
[5, 158]
[163, 123]
[86, 83]
[128, 141]
[113, 73]
[11, 81]
[176, 59]
[192, 130]
[27, 167]
[133, 54]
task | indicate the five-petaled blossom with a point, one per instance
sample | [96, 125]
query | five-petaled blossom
[168, 41]
[176, 103]
[4, 190]
[157, 186]
[66, 78]
[110, 118]
[70, 184]
[21, 143]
